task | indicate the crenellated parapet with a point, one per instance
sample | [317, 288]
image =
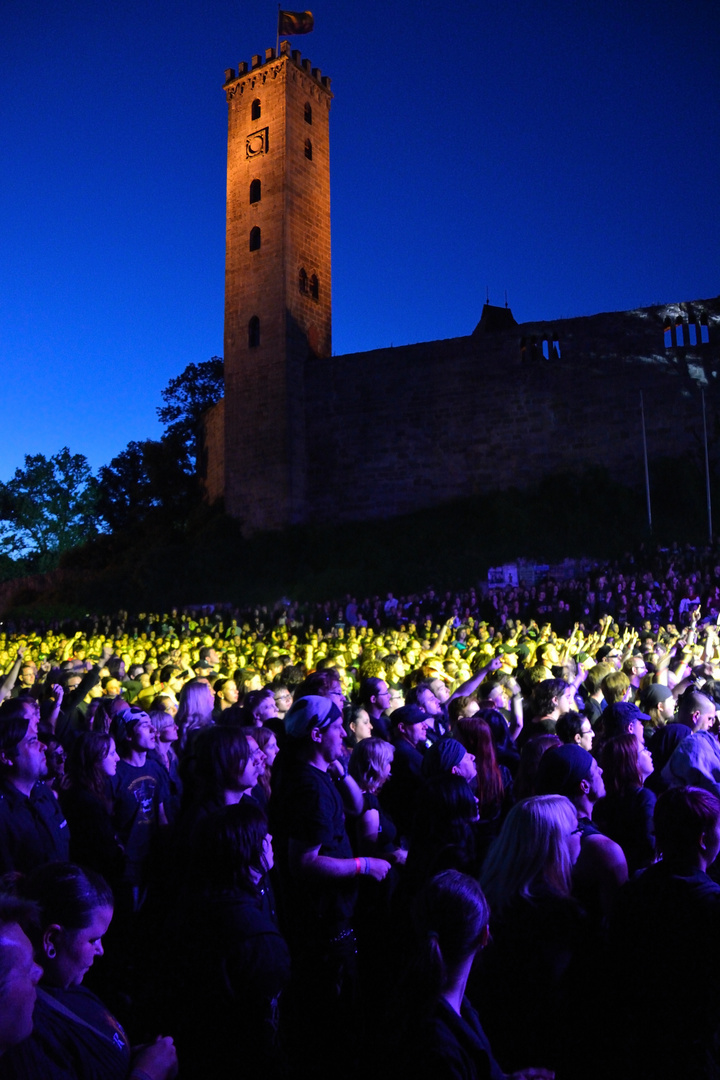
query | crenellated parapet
[260, 71]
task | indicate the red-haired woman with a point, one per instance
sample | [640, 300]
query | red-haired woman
[626, 812]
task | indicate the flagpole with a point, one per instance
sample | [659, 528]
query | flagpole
[707, 471]
[645, 455]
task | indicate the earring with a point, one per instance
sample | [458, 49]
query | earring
[50, 952]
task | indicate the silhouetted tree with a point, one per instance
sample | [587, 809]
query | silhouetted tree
[48, 507]
[186, 398]
[147, 483]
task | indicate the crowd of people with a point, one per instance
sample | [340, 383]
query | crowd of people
[314, 841]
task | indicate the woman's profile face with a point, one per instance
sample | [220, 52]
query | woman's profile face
[270, 750]
[361, 726]
[75, 950]
[109, 763]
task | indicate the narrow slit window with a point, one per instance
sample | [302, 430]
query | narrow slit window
[679, 335]
[667, 335]
[704, 333]
[545, 349]
[314, 287]
[254, 332]
[255, 109]
[302, 281]
[556, 349]
[692, 333]
[308, 113]
[255, 239]
[308, 150]
[255, 191]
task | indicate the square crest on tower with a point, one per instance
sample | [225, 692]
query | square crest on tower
[257, 143]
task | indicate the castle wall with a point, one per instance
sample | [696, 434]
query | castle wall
[305, 436]
[400, 429]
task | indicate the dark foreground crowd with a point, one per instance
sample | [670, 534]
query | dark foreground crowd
[420, 849]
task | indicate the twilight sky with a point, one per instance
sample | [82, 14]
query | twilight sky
[564, 152]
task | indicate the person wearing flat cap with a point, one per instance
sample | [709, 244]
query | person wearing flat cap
[601, 867]
[319, 873]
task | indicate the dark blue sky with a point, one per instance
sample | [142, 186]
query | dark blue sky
[566, 152]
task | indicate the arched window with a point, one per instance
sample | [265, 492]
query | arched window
[667, 335]
[546, 349]
[255, 239]
[302, 280]
[255, 191]
[692, 333]
[308, 113]
[308, 150]
[254, 332]
[704, 331]
[255, 109]
[314, 287]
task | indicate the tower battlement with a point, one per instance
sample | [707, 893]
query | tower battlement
[257, 62]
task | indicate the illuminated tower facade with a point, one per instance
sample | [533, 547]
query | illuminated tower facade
[277, 279]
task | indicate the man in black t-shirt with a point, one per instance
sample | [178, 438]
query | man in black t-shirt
[139, 791]
[33, 829]
[320, 880]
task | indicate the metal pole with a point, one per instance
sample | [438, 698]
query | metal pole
[647, 471]
[707, 471]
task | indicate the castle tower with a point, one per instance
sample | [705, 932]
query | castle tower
[277, 279]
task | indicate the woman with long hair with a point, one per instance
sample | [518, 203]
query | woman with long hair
[626, 812]
[538, 932]
[194, 711]
[444, 832]
[166, 738]
[267, 742]
[73, 1032]
[230, 983]
[494, 782]
[437, 1032]
[87, 804]
[375, 833]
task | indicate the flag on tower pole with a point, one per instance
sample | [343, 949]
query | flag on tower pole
[295, 22]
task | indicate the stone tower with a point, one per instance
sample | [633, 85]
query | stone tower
[277, 279]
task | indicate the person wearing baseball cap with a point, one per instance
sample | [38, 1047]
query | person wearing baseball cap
[318, 869]
[601, 867]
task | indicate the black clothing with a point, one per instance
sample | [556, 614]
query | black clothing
[138, 792]
[593, 710]
[399, 795]
[173, 795]
[93, 842]
[74, 1037]
[387, 833]
[536, 955]
[313, 816]
[33, 830]
[665, 932]
[233, 970]
[448, 1047]
[628, 820]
